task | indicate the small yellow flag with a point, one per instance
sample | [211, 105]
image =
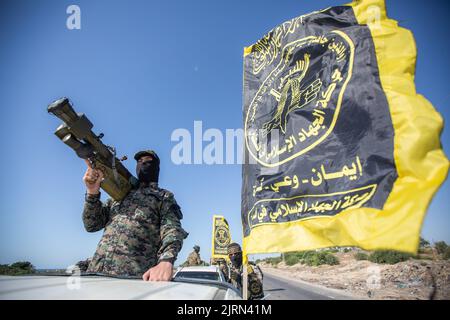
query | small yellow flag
[221, 237]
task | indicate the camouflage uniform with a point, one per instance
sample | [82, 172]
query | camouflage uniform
[83, 264]
[193, 259]
[254, 273]
[140, 231]
[224, 268]
[254, 277]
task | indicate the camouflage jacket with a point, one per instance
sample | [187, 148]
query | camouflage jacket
[139, 231]
[254, 277]
[193, 259]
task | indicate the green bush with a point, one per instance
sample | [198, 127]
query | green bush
[305, 255]
[17, 268]
[273, 261]
[447, 253]
[321, 258]
[331, 260]
[441, 246]
[310, 258]
[291, 259]
[424, 243]
[4, 269]
[389, 256]
[361, 256]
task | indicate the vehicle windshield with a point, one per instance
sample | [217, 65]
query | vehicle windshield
[198, 275]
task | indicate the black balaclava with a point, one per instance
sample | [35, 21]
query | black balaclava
[234, 252]
[236, 260]
[148, 171]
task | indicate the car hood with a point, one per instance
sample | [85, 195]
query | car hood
[95, 287]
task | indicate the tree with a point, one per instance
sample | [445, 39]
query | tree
[17, 268]
[424, 243]
[440, 246]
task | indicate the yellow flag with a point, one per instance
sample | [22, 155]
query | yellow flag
[340, 150]
[221, 237]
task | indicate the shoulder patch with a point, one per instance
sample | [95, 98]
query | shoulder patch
[170, 204]
[167, 193]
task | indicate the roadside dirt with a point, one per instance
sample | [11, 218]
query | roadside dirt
[408, 280]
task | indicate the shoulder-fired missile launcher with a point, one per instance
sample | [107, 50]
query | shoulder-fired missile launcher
[76, 132]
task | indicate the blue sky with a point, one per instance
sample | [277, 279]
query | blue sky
[139, 70]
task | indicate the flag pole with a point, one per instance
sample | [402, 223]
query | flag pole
[245, 280]
[244, 270]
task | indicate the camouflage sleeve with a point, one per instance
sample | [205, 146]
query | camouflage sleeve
[252, 276]
[95, 214]
[255, 283]
[171, 232]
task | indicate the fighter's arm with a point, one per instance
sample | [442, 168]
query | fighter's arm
[171, 232]
[172, 235]
[95, 214]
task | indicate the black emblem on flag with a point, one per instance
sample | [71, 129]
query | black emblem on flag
[318, 133]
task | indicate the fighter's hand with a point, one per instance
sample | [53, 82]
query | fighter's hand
[235, 276]
[161, 272]
[92, 179]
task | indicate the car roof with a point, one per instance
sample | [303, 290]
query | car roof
[199, 269]
[92, 287]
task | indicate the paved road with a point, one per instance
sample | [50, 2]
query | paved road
[280, 288]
